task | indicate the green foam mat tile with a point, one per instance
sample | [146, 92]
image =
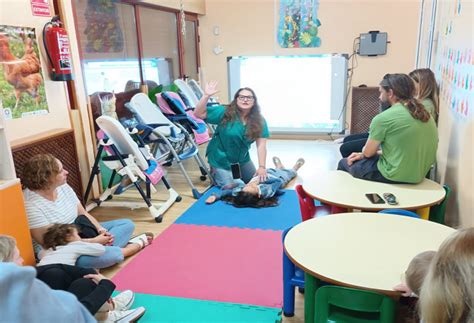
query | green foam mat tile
[174, 309]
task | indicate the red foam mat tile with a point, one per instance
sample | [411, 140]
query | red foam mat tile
[209, 263]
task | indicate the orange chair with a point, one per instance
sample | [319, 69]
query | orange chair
[308, 209]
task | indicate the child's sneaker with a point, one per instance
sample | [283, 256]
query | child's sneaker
[125, 316]
[124, 300]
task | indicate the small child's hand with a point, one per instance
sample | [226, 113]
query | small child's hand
[211, 199]
[406, 291]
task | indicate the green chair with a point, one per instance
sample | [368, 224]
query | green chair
[340, 304]
[437, 212]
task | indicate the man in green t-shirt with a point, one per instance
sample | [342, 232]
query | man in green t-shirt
[406, 134]
[238, 125]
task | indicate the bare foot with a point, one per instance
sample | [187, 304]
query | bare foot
[299, 163]
[277, 162]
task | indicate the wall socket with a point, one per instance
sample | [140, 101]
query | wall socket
[217, 50]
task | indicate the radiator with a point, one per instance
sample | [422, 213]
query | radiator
[365, 106]
[60, 144]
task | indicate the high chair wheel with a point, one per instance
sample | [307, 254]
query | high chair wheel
[178, 198]
[203, 177]
[158, 219]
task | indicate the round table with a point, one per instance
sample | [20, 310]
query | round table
[361, 250]
[341, 189]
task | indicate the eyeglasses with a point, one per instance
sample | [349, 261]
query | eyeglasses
[245, 98]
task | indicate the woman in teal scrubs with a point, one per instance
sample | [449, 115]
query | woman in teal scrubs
[239, 124]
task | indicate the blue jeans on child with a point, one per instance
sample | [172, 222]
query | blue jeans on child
[286, 174]
[122, 231]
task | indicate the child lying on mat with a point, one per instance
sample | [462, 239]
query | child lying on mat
[256, 194]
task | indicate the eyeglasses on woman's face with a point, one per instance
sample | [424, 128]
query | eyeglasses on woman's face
[245, 98]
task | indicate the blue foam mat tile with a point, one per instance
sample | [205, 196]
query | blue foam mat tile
[280, 217]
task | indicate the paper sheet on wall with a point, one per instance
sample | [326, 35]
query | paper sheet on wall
[455, 58]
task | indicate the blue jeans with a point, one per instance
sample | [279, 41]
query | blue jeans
[122, 231]
[223, 177]
[285, 174]
[113, 255]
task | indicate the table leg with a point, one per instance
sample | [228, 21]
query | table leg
[424, 213]
[311, 284]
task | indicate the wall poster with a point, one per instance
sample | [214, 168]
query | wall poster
[21, 77]
[454, 66]
[299, 24]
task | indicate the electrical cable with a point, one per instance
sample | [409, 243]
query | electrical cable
[350, 72]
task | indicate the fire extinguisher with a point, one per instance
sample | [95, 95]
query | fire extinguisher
[56, 45]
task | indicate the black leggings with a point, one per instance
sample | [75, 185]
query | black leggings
[71, 279]
[353, 144]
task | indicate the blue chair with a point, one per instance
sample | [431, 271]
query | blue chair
[401, 212]
[292, 277]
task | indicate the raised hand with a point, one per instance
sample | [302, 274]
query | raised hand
[211, 88]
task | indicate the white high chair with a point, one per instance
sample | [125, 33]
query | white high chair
[164, 132]
[126, 158]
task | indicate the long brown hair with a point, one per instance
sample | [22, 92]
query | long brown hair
[447, 294]
[427, 86]
[245, 199]
[404, 88]
[254, 118]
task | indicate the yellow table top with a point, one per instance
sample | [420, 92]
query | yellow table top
[341, 189]
[362, 250]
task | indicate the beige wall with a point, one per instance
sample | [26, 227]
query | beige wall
[249, 28]
[18, 13]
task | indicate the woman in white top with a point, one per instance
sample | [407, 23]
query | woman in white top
[49, 200]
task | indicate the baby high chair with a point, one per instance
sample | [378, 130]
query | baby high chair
[163, 132]
[132, 160]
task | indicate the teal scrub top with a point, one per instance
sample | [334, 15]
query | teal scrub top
[229, 145]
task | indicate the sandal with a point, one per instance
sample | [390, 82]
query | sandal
[277, 162]
[300, 162]
[142, 240]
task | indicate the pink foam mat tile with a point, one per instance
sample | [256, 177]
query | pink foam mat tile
[209, 263]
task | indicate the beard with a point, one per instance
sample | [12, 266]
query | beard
[384, 106]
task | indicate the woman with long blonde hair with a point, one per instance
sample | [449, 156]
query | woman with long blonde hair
[427, 90]
[447, 294]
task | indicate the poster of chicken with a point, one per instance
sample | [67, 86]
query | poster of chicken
[21, 78]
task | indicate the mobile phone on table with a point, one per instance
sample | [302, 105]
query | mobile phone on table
[235, 168]
[375, 198]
